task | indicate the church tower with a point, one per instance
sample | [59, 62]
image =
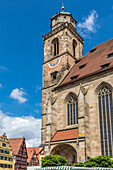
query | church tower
[62, 47]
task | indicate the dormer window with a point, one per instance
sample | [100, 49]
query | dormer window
[74, 77]
[55, 43]
[82, 66]
[105, 66]
[110, 55]
[74, 48]
[94, 49]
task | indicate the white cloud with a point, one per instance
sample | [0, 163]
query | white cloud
[89, 24]
[19, 94]
[3, 68]
[1, 85]
[26, 126]
[37, 88]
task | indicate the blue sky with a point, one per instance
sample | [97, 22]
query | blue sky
[22, 24]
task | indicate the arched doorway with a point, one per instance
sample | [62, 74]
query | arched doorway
[67, 151]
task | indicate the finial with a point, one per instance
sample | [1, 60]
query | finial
[62, 7]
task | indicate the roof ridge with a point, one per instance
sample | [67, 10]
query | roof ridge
[16, 138]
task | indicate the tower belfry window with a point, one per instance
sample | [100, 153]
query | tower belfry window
[74, 48]
[55, 43]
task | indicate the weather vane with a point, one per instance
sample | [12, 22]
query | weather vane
[62, 7]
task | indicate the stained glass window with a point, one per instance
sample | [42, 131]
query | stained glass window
[72, 110]
[106, 120]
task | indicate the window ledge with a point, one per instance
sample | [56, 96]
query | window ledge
[71, 126]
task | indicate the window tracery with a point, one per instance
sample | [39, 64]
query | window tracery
[106, 120]
[72, 110]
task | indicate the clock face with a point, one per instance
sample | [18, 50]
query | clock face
[54, 64]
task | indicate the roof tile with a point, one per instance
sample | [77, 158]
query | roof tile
[30, 152]
[15, 144]
[65, 135]
[93, 60]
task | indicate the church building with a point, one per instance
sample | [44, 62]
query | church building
[77, 104]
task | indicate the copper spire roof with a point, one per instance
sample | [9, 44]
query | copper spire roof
[99, 59]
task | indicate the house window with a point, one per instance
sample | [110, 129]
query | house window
[106, 120]
[74, 48]
[55, 43]
[72, 110]
[3, 144]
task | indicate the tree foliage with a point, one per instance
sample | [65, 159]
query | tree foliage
[54, 160]
[100, 161]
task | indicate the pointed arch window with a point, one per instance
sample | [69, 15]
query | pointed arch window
[106, 120]
[74, 48]
[72, 110]
[55, 43]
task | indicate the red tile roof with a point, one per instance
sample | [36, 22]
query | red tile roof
[15, 144]
[30, 152]
[93, 62]
[65, 135]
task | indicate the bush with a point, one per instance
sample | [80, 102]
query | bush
[54, 160]
[78, 165]
[100, 161]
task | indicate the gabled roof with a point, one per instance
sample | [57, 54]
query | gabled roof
[96, 61]
[31, 151]
[15, 144]
[65, 135]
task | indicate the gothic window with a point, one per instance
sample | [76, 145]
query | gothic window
[74, 48]
[72, 110]
[106, 120]
[55, 43]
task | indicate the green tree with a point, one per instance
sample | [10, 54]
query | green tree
[54, 160]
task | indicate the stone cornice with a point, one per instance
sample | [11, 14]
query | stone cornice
[61, 27]
[66, 52]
